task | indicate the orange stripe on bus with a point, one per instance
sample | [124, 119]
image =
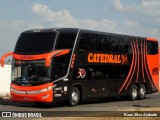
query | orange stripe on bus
[2, 59]
[152, 39]
[138, 60]
[30, 57]
[135, 63]
[142, 61]
[129, 70]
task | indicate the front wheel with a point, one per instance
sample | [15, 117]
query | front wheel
[74, 97]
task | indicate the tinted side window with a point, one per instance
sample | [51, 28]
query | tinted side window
[87, 42]
[93, 39]
[65, 41]
[84, 43]
[106, 43]
[120, 44]
[152, 47]
[126, 45]
[114, 43]
[117, 72]
[101, 43]
[100, 72]
[93, 42]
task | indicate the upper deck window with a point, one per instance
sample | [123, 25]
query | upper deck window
[65, 40]
[152, 47]
[35, 42]
[104, 43]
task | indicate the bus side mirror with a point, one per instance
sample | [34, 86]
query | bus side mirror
[2, 59]
[55, 53]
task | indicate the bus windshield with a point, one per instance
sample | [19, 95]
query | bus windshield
[29, 72]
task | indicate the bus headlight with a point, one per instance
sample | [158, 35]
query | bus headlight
[32, 92]
[47, 89]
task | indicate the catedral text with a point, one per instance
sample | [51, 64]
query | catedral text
[104, 58]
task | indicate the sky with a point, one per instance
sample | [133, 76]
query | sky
[131, 17]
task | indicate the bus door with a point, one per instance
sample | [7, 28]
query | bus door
[98, 82]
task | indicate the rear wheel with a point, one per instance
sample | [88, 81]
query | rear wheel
[74, 97]
[134, 92]
[142, 92]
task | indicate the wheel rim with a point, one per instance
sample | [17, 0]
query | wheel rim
[142, 91]
[74, 97]
[134, 93]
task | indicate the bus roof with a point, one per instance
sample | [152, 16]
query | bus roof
[83, 30]
[52, 29]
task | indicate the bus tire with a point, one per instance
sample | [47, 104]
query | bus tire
[74, 97]
[141, 92]
[134, 92]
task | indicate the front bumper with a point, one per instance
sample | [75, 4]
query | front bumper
[41, 93]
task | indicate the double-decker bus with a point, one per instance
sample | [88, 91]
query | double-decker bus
[69, 64]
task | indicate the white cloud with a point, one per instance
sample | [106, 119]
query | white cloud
[10, 30]
[142, 18]
[147, 7]
[146, 23]
[131, 24]
[118, 4]
[18, 25]
[58, 17]
[12, 25]
[65, 19]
